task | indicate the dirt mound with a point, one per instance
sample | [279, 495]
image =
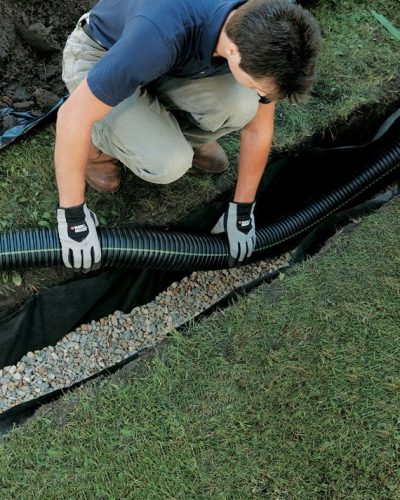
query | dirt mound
[32, 37]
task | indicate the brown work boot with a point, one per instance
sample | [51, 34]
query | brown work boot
[102, 171]
[210, 158]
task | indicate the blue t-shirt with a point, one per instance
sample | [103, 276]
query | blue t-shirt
[146, 39]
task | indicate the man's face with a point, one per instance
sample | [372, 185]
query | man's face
[265, 87]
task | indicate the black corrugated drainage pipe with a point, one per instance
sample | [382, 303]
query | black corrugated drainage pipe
[181, 251]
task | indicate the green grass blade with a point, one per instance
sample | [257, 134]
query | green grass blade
[387, 24]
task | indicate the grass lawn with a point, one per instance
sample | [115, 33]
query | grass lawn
[293, 392]
[358, 80]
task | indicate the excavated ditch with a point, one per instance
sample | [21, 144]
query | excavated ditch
[32, 37]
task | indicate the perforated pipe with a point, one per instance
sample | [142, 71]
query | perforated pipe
[183, 251]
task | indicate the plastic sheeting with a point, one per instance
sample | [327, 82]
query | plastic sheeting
[287, 184]
[25, 121]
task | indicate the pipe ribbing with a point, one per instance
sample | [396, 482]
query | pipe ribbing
[128, 247]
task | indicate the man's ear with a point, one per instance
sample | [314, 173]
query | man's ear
[233, 50]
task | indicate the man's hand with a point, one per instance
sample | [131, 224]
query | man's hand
[238, 224]
[78, 237]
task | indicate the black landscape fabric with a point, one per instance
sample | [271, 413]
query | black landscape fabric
[22, 122]
[20, 413]
[287, 185]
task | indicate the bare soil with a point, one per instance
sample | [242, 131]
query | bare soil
[32, 37]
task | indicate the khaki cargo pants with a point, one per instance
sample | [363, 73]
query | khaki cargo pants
[153, 132]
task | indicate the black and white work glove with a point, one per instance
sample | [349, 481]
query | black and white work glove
[238, 224]
[78, 237]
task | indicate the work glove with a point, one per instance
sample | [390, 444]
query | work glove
[238, 224]
[78, 237]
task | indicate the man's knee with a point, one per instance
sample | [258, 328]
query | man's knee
[243, 108]
[163, 168]
[160, 160]
[234, 110]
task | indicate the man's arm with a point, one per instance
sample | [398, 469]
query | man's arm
[73, 135]
[255, 146]
[80, 244]
[238, 220]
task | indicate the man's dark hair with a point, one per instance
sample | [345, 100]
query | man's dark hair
[278, 40]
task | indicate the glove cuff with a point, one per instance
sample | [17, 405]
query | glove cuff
[244, 209]
[74, 214]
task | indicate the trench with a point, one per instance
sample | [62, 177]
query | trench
[32, 34]
[25, 336]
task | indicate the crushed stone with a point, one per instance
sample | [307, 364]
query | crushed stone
[101, 344]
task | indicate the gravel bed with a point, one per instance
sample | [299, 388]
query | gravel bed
[100, 344]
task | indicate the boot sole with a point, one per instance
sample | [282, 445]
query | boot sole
[211, 170]
[99, 189]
